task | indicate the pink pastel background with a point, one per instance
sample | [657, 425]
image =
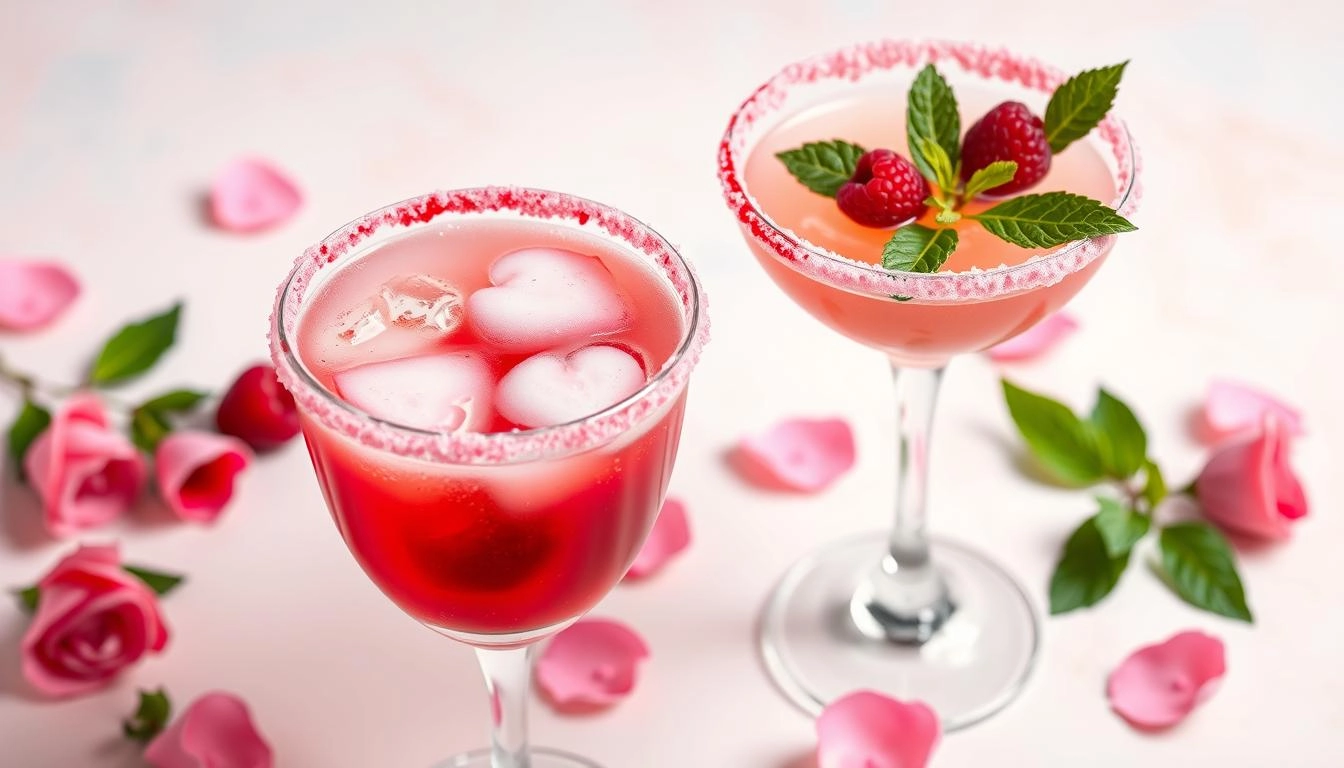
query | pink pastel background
[117, 114]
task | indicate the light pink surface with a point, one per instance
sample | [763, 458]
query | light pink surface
[367, 107]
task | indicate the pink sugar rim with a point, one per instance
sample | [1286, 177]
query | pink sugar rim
[853, 64]
[504, 447]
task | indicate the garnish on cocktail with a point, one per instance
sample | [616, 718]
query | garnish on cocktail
[1009, 150]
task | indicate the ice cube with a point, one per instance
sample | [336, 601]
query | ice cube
[556, 388]
[416, 302]
[543, 298]
[451, 391]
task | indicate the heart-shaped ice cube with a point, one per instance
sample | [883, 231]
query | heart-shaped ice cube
[543, 298]
[556, 388]
[447, 392]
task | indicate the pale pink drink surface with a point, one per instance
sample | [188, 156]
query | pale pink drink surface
[915, 332]
[492, 326]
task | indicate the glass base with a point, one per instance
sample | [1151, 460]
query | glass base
[969, 669]
[541, 758]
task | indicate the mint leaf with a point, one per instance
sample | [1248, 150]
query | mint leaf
[1079, 104]
[161, 583]
[989, 177]
[1120, 436]
[31, 422]
[1120, 527]
[135, 348]
[1201, 569]
[150, 718]
[1154, 486]
[822, 166]
[916, 248]
[899, 297]
[1085, 572]
[28, 597]
[1059, 440]
[1050, 219]
[931, 113]
[148, 428]
[941, 165]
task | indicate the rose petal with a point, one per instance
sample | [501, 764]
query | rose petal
[1249, 487]
[1036, 340]
[34, 293]
[798, 454]
[1232, 409]
[251, 195]
[670, 535]
[592, 662]
[196, 472]
[869, 730]
[216, 731]
[1158, 685]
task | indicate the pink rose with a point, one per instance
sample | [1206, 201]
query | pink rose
[93, 620]
[85, 473]
[1247, 486]
[216, 731]
[196, 472]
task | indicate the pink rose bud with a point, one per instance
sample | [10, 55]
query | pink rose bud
[85, 473]
[258, 410]
[1248, 487]
[216, 731]
[93, 620]
[196, 472]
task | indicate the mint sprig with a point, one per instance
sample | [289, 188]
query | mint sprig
[1077, 106]
[917, 248]
[989, 177]
[823, 166]
[135, 348]
[1050, 219]
[932, 115]
[151, 716]
[1110, 445]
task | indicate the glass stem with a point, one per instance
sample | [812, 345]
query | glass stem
[904, 598]
[508, 673]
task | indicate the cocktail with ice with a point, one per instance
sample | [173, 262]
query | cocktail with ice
[491, 384]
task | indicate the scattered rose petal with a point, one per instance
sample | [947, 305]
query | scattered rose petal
[34, 293]
[670, 535]
[196, 472]
[252, 195]
[1158, 685]
[869, 730]
[1248, 487]
[1232, 409]
[1036, 340]
[93, 620]
[591, 663]
[85, 473]
[216, 731]
[799, 454]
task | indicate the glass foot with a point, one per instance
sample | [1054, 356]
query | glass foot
[969, 669]
[541, 758]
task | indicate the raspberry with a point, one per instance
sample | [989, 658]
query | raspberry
[1007, 132]
[258, 410]
[885, 190]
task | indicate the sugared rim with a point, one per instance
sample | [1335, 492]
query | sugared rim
[853, 64]
[506, 447]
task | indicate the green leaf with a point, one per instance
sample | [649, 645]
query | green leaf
[31, 422]
[1079, 104]
[161, 583]
[931, 113]
[148, 428]
[989, 177]
[1059, 440]
[939, 163]
[899, 297]
[135, 348]
[28, 597]
[1200, 567]
[916, 248]
[177, 401]
[150, 718]
[822, 166]
[1085, 573]
[1050, 219]
[1120, 527]
[1120, 436]
[1154, 485]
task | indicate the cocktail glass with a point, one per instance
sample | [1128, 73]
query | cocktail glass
[373, 472]
[898, 611]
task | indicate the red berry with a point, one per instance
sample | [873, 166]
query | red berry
[1007, 132]
[258, 410]
[885, 190]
